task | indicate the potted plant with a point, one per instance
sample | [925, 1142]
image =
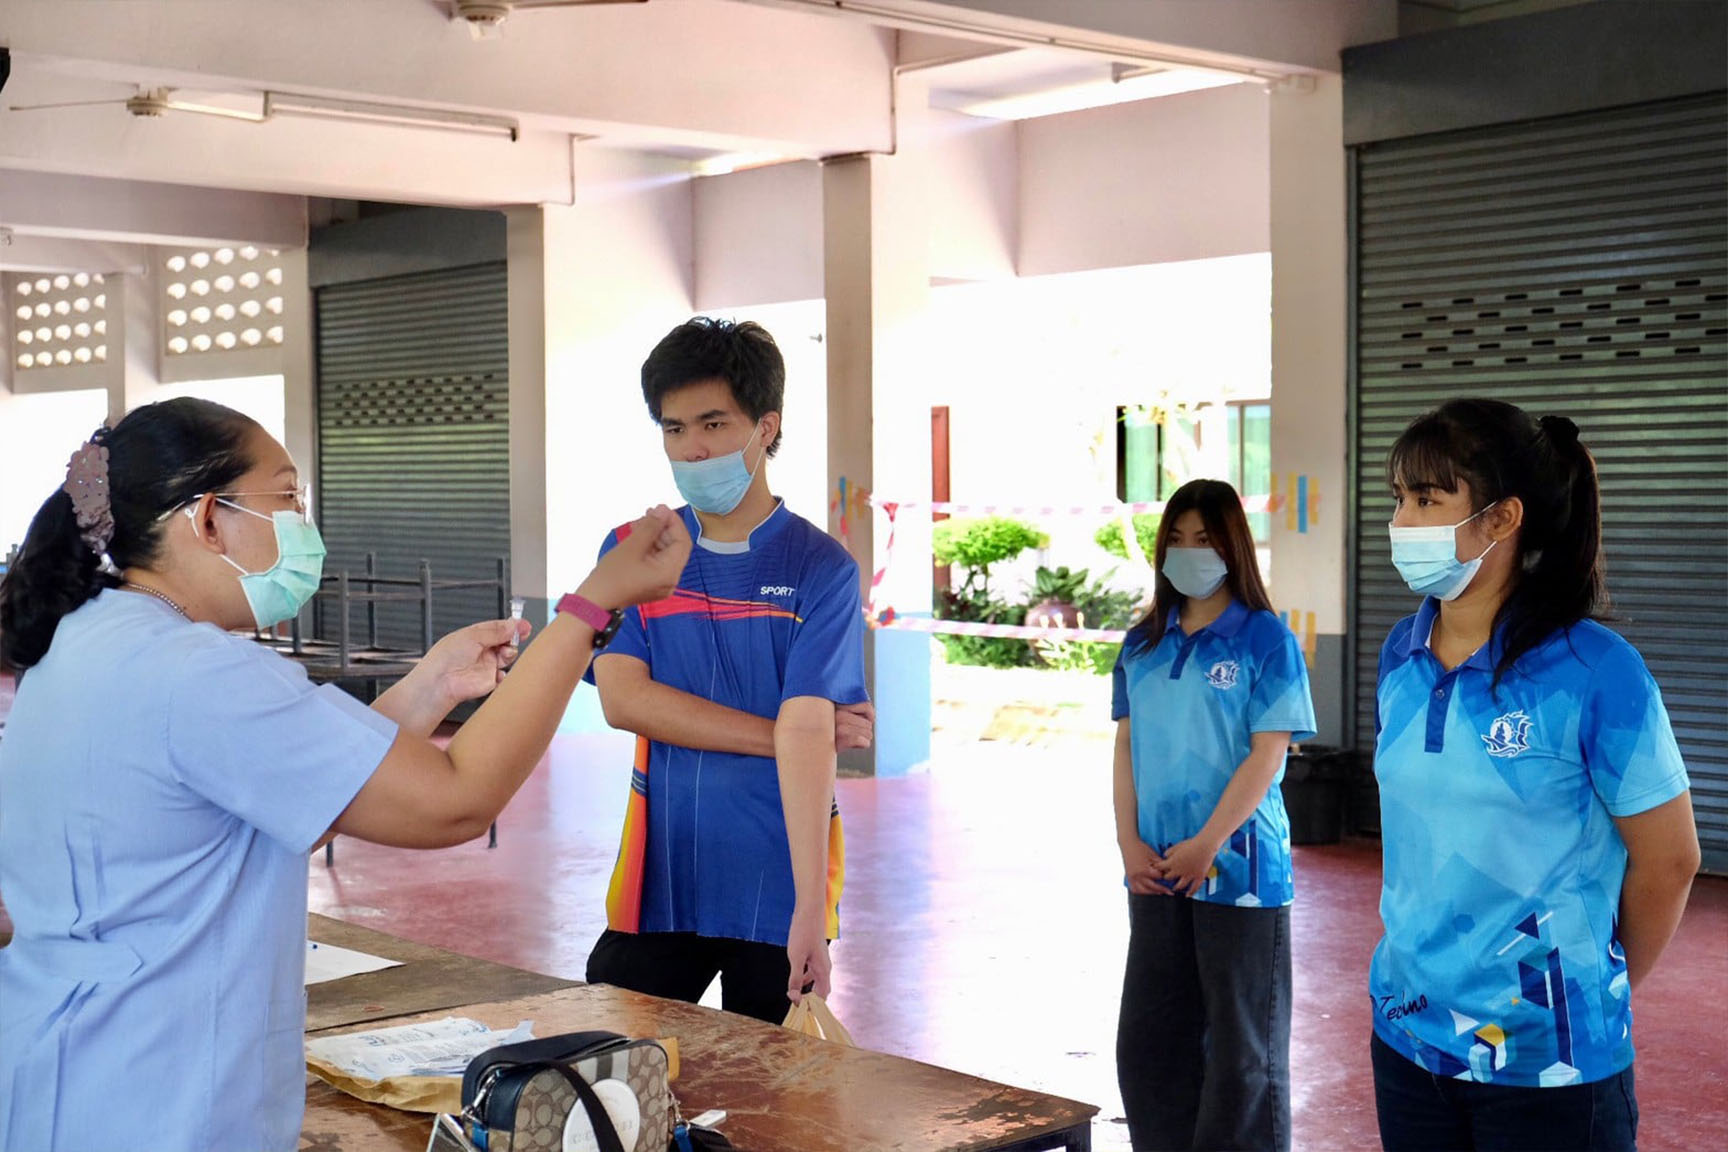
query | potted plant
[1054, 594]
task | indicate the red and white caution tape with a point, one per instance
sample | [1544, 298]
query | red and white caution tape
[946, 508]
[1007, 631]
[886, 617]
[887, 558]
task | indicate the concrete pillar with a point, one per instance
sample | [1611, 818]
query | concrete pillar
[134, 336]
[526, 276]
[876, 247]
[299, 364]
[593, 286]
[1310, 286]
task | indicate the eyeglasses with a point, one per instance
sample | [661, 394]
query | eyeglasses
[301, 496]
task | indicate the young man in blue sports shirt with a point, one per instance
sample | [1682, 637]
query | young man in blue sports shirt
[740, 687]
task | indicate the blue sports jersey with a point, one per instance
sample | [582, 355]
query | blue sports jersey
[1501, 961]
[751, 625]
[1193, 704]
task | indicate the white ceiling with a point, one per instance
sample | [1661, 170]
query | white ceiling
[687, 78]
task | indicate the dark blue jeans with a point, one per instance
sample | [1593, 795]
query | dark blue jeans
[1422, 1112]
[1203, 1044]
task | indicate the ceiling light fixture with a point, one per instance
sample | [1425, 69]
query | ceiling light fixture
[366, 112]
[724, 163]
[1123, 88]
[920, 21]
[258, 107]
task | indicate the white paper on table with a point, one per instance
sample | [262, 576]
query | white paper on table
[438, 1048]
[328, 962]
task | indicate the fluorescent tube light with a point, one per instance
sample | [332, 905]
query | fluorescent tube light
[365, 112]
[727, 162]
[921, 20]
[1076, 97]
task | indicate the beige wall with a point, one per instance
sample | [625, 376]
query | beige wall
[758, 236]
[1177, 178]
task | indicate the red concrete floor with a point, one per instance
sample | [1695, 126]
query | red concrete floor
[984, 930]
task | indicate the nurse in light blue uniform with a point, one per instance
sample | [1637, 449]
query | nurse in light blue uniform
[163, 779]
[1208, 693]
[158, 877]
[1536, 824]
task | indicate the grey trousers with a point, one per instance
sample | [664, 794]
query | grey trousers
[1203, 1042]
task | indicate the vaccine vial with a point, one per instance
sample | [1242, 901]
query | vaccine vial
[517, 604]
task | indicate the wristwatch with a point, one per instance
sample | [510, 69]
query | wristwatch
[605, 623]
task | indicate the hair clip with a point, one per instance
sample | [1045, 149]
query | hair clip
[87, 485]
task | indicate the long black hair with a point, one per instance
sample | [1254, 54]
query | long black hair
[1501, 451]
[159, 457]
[1220, 509]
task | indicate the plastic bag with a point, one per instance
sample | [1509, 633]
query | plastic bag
[813, 1017]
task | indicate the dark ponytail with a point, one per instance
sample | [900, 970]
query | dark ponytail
[159, 457]
[1501, 451]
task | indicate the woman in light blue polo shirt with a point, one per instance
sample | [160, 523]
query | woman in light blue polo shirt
[1539, 841]
[1209, 691]
[162, 781]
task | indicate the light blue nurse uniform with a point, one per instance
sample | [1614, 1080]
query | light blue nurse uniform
[161, 785]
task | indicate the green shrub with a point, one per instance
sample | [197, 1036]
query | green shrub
[1109, 537]
[1059, 584]
[977, 544]
[988, 651]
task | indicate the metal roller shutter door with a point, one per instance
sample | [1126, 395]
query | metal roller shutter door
[413, 438]
[1577, 265]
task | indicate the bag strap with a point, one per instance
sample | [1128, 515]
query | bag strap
[604, 1134]
[549, 1049]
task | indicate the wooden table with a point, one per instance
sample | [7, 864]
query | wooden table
[428, 979]
[782, 1091]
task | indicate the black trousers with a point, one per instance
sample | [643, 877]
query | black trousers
[1203, 1046]
[681, 965]
[1422, 1112]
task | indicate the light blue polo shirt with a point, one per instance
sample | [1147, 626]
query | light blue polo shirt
[1194, 703]
[161, 783]
[1501, 961]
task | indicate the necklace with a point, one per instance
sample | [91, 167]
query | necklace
[162, 596]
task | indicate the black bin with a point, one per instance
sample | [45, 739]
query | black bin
[1316, 787]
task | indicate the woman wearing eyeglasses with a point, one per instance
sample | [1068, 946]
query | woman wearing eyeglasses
[162, 779]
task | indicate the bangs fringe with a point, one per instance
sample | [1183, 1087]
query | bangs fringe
[1423, 457]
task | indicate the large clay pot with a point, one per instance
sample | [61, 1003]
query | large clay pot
[1050, 614]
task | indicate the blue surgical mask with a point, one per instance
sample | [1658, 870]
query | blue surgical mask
[1194, 572]
[1427, 558]
[715, 485]
[281, 590]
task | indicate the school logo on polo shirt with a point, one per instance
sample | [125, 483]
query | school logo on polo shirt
[1508, 735]
[1222, 674]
